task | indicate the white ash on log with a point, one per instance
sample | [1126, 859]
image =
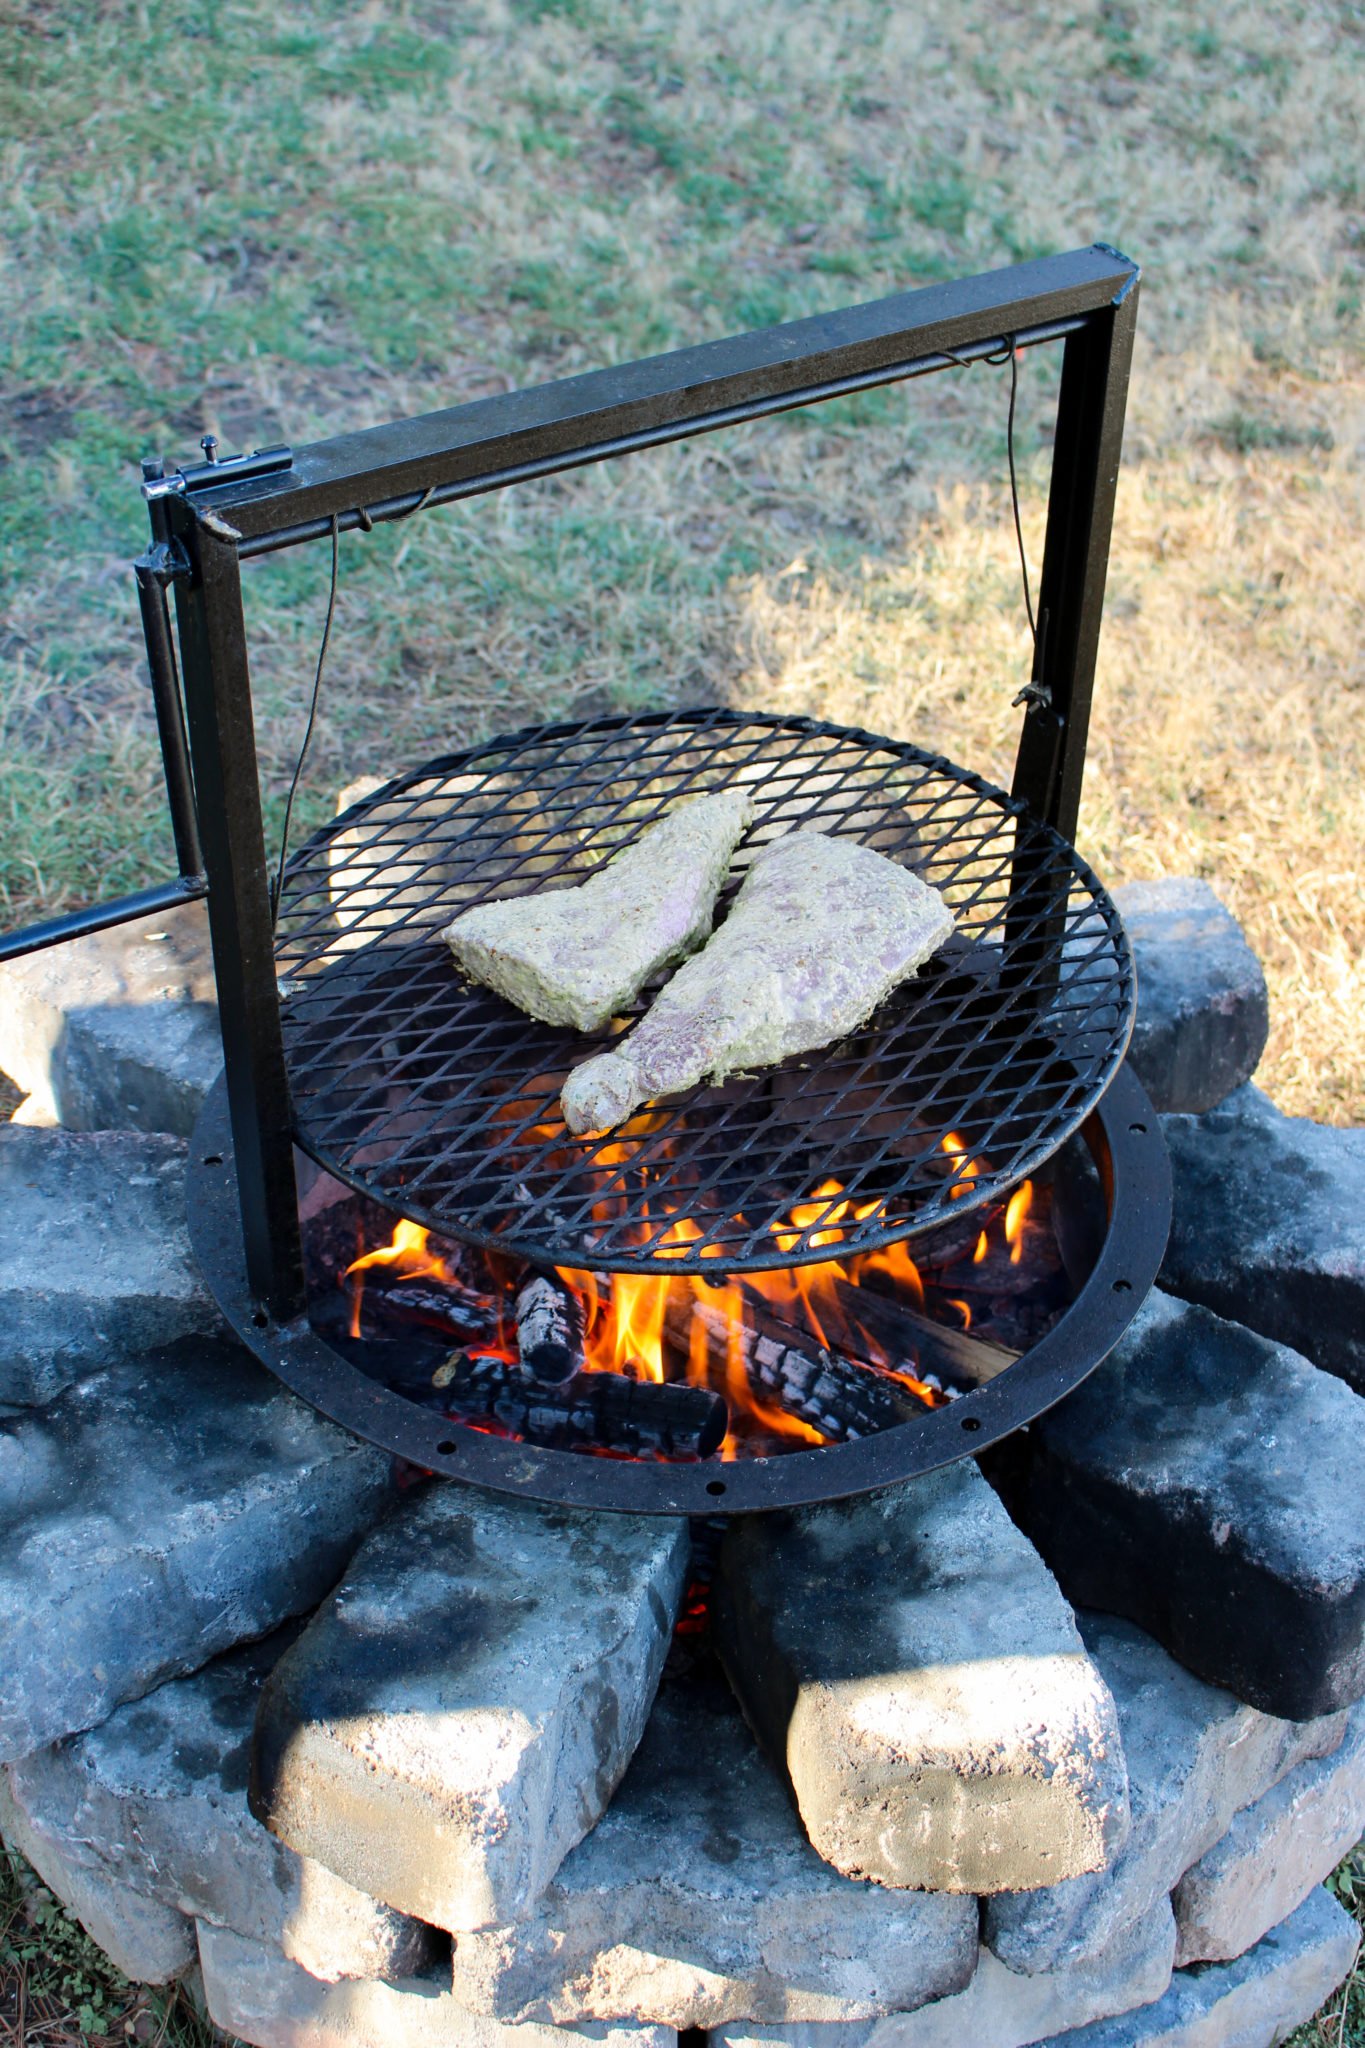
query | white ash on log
[838, 1396]
[596, 1411]
[426, 1301]
[550, 1329]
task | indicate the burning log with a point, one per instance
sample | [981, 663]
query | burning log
[837, 1396]
[550, 1329]
[603, 1411]
[920, 1345]
[429, 1302]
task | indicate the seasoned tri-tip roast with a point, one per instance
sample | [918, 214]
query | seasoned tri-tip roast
[822, 930]
[578, 956]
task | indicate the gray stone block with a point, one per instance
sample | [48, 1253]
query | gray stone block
[118, 1031]
[1204, 1483]
[156, 1514]
[149, 1942]
[912, 1664]
[251, 1991]
[461, 1710]
[698, 1899]
[1195, 1756]
[155, 1800]
[1269, 1227]
[97, 1257]
[1273, 1854]
[998, 2009]
[1254, 2002]
[1203, 1014]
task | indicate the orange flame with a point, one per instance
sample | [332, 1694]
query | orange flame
[407, 1250]
[966, 1169]
[1016, 1215]
[628, 1328]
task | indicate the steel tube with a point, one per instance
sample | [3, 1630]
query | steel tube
[649, 437]
[1080, 517]
[218, 702]
[170, 714]
[556, 426]
[102, 917]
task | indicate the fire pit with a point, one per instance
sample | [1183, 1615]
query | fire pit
[759, 1294]
[503, 1765]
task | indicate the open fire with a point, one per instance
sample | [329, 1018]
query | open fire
[686, 1365]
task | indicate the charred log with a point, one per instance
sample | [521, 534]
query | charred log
[840, 1397]
[914, 1343]
[603, 1411]
[550, 1329]
[427, 1302]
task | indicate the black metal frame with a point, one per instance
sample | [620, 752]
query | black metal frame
[209, 518]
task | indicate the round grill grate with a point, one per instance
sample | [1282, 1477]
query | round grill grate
[440, 1100]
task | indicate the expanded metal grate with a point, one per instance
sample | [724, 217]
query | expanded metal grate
[441, 1100]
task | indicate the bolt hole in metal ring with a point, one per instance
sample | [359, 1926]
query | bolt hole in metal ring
[440, 1100]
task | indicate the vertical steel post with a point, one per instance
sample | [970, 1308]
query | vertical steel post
[223, 747]
[152, 578]
[1080, 516]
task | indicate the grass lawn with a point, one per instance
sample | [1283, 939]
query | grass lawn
[282, 220]
[275, 221]
[58, 1990]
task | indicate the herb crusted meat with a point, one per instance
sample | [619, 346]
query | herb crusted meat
[821, 931]
[577, 956]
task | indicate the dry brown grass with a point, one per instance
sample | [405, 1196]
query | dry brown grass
[1229, 732]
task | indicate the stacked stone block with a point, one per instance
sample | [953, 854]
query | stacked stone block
[445, 1806]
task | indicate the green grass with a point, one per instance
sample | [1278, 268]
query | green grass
[58, 1989]
[278, 221]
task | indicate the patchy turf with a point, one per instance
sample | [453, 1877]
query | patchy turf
[58, 1990]
[1341, 2023]
[280, 220]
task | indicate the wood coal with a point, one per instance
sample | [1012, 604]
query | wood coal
[602, 1411]
[913, 1342]
[429, 1302]
[551, 1323]
[837, 1396]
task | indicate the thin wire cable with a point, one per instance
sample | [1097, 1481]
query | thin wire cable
[367, 523]
[1009, 353]
[278, 885]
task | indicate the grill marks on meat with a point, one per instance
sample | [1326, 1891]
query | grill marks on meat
[577, 956]
[821, 931]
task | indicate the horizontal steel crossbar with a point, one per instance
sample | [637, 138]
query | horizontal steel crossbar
[383, 472]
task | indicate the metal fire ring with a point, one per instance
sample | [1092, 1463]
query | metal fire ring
[439, 1099]
[1123, 1136]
